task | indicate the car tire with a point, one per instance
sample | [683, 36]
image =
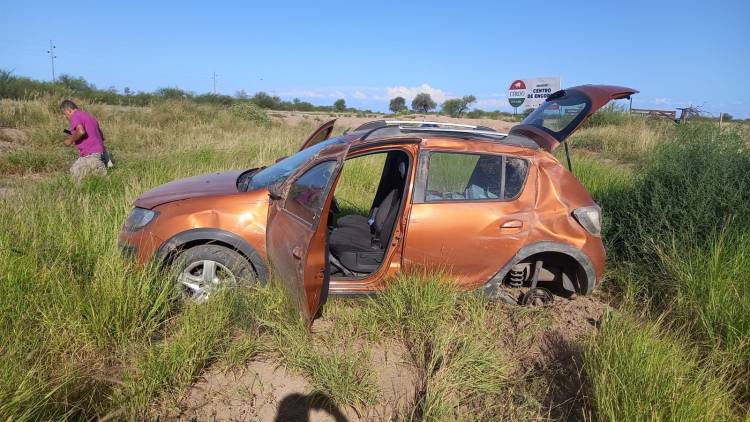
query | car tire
[203, 269]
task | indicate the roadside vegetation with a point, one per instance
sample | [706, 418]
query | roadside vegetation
[85, 335]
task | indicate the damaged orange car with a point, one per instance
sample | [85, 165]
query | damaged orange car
[494, 210]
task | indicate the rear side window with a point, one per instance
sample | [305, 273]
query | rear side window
[308, 193]
[474, 177]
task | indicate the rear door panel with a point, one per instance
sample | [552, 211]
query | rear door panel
[468, 239]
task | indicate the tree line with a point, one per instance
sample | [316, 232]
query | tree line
[19, 87]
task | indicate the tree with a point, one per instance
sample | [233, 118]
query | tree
[397, 104]
[423, 103]
[266, 101]
[242, 95]
[451, 107]
[455, 107]
[339, 105]
[169, 93]
[77, 85]
[727, 117]
[127, 91]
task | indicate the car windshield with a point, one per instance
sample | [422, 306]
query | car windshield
[561, 115]
[281, 170]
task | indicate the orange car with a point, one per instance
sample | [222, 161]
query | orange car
[492, 209]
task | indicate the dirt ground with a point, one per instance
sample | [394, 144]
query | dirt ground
[542, 342]
[351, 121]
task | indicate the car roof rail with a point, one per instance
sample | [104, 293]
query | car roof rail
[423, 124]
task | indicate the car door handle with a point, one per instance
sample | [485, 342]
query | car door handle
[512, 224]
[297, 252]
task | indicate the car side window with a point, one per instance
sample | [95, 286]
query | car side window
[308, 193]
[474, 177]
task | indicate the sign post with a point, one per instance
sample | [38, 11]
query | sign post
[516, 94]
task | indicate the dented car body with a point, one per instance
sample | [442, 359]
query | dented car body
[490, 209]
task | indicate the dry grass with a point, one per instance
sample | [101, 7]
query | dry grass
[85, 335]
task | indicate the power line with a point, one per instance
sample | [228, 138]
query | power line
[52, 58]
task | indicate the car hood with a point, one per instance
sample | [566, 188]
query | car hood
[211, 184]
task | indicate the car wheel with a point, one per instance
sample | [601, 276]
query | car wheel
[203, 269]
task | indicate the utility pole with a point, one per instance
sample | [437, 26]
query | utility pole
[52, 58]
[214, 78]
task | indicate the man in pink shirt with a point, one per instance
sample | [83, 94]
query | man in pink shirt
[86, 135]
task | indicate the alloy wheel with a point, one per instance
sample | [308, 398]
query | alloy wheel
[201, 278]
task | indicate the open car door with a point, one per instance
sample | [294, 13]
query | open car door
[565, 111]
[297, 228]
[319, 135]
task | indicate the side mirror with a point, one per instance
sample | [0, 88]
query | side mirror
[274, 191]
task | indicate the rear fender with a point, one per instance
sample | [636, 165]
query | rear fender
[492, 286]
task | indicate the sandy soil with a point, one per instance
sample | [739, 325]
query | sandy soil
[542, 343]
[264, 391]
[349, 120]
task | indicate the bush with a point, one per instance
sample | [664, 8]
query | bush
[251, 112]
[693, 184]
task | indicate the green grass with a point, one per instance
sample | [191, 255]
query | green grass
[627, 139]
[84, 335]
[677, 234]
[450, 339]
[358, 183]
[642, 371]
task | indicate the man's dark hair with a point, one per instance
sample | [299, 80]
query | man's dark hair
[68, 105]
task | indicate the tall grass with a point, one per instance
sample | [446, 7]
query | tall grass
[451, 339]
[82, 333]
[641, 371]
[678, 237]
[630, 139]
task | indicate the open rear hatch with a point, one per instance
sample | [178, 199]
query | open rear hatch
[565, 111]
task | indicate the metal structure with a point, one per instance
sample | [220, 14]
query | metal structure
[52, 58]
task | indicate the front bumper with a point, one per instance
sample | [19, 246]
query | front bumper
[129, 252]
[138, 246]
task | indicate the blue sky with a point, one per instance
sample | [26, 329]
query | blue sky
[675, 52]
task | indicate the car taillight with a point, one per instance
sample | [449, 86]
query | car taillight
[590, 218]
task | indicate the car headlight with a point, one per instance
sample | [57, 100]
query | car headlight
[590, 218]
[138, 219]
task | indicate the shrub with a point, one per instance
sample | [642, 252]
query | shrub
[251, 112]
[693, 184]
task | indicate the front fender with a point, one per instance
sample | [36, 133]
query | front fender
[209, 235]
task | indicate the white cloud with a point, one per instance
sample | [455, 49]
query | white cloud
[491, 103]
[336, 94]
[662, 100]
[303, 94]
[409, 93]
[360, 95]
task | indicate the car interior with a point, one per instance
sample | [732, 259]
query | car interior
[358, 243]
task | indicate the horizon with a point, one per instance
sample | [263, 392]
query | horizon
[319, 53]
